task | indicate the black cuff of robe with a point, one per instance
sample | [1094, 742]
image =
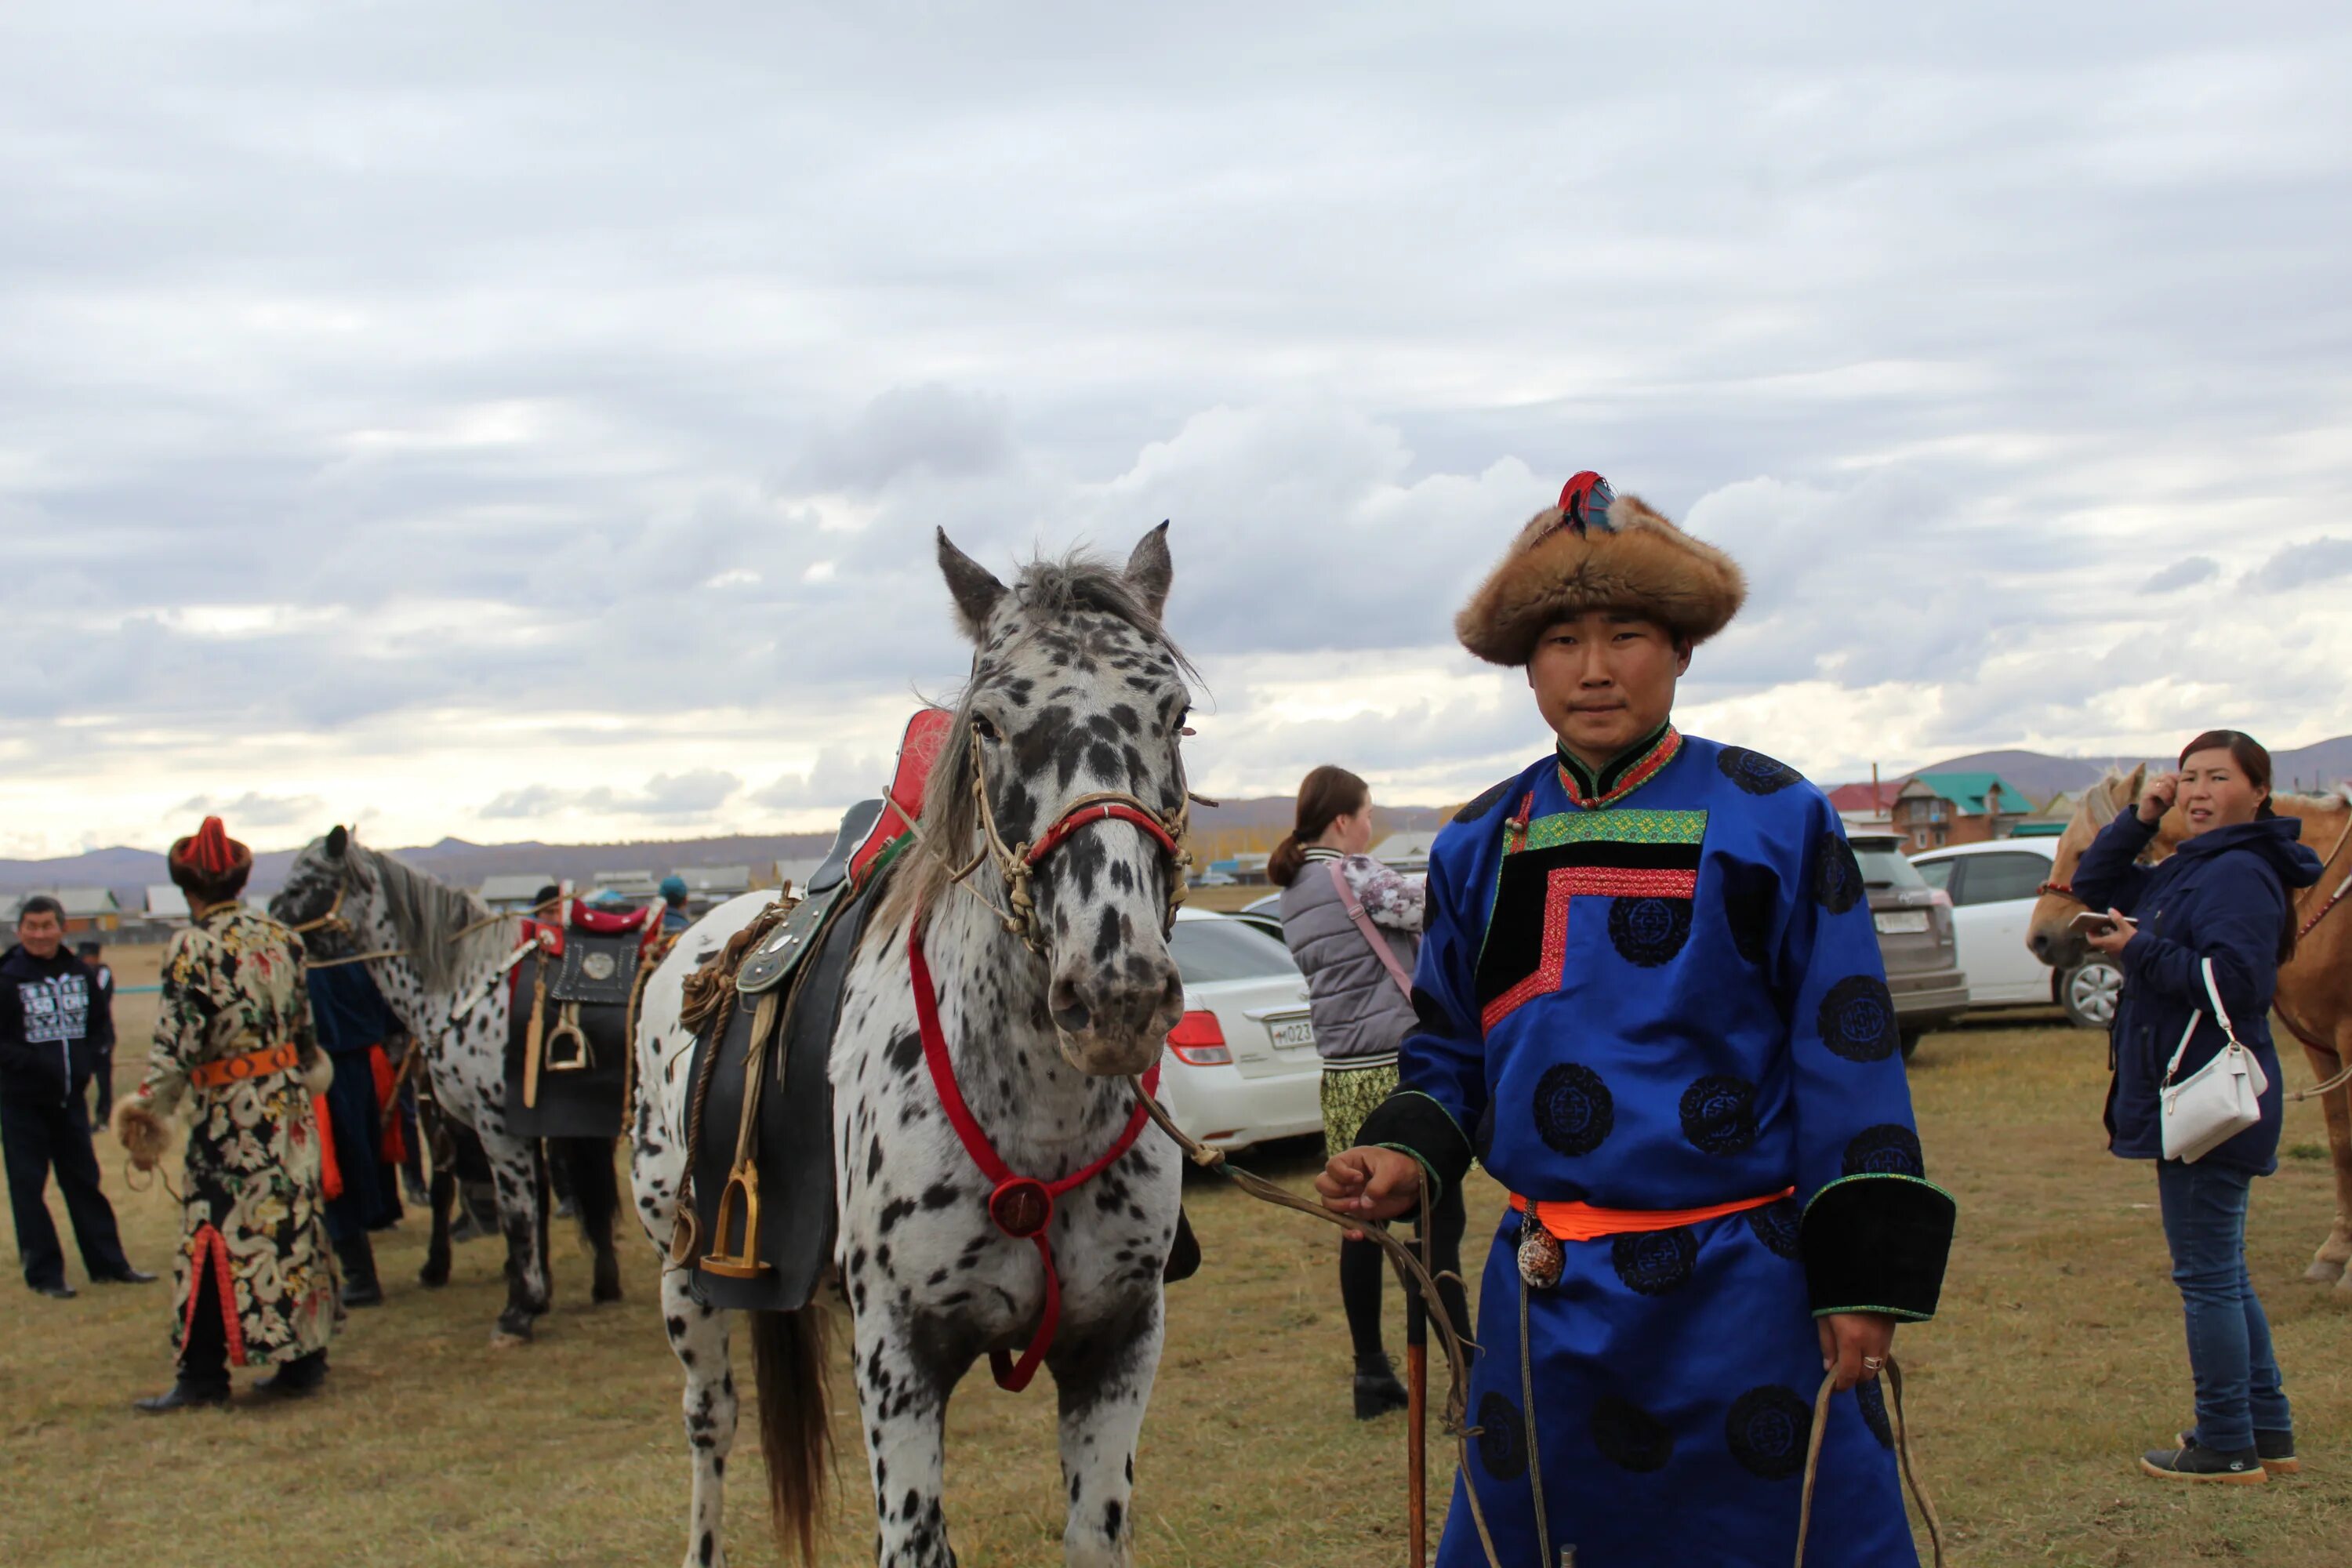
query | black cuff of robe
[1412, 1121]
[1877, 1243]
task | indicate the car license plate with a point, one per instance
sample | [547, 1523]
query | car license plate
[1292, 1032]
[1906, 923]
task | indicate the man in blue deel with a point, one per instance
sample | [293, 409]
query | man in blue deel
[1650, 1003]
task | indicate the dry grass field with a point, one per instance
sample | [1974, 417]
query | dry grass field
[2058, 1358]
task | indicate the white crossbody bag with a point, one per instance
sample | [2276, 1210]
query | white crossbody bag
[2220, 1099]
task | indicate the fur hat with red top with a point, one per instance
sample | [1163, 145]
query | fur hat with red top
[208, 864]
[1598, 551]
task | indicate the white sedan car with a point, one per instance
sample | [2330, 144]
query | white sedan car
[1993, 888]
[1240, 1068]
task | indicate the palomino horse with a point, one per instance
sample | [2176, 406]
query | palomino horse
[2315, 988]
[433, 949]
[1076, 700]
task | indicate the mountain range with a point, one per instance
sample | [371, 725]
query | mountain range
[1232, 823]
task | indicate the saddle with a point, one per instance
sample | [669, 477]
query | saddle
[761, 1119]
[573, 983]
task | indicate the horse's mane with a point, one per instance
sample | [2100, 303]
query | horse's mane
[1045, 592]
[426, 913]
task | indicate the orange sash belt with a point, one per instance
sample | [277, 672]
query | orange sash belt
[1583, 1221]
[227, 1070]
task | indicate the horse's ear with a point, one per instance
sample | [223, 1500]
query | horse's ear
[1150, 570]
[2133, 785]
[339, 838]
[975, 588]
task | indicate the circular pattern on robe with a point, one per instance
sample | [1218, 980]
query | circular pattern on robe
[1889, 1149]
[1871, 1396]
[1654, 1262]
[1747, 910]
[1574, 1109]
[1837, 875]
[1857, 1020]
[1630, 1437]
[1720, 1114]
[1502, 1438]
[1768, 1430]
[1647, 932]
[1756, 773]
[1779, 1226]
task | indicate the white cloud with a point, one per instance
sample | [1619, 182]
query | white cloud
[468, 416]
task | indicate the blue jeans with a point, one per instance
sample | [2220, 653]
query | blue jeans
[2229, 1339]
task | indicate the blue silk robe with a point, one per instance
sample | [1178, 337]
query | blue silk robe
[1660, 988]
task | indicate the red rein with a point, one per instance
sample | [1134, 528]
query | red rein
[1021, 1207]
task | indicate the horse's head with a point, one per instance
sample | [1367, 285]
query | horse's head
[1069, 732]
[2047, 932]
[327, 891]
[385, 906]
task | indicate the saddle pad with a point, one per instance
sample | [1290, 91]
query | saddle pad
[794, 1154]
[598, 969]
[583, 1104]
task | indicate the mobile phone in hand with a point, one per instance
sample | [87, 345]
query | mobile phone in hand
[2096, 923]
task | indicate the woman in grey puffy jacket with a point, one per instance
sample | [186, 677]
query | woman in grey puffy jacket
[1363, 1011]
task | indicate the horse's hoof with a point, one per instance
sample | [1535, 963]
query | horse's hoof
[2323, 1272]
[514, 1329]
[608, 1282]
[604, 1293]
[432, 1277]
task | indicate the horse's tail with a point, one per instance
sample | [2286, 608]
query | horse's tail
[790, 1352]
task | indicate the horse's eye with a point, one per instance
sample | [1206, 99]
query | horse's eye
[985, 727]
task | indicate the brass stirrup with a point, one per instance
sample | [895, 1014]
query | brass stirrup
[567, 1047]
[743, 1192]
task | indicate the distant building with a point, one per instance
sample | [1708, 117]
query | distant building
[795, 872]
[637, 885]
[168, 904]
[710, 885]
[1933, 810]
[1406, 852]
[515, 893]
[87, 908]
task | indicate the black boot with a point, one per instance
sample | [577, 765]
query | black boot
[2195, 1462]
[185, 1395]
[1378, 1392]
[300, 1376]
[360, 1286]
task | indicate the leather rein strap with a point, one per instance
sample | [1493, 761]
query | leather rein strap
[1021, 1207]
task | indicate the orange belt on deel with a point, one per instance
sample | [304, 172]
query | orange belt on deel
[1584, 1221]
[236, 1070]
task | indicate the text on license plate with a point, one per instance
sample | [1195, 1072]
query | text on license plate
[1907, 922]
[1289, 1032]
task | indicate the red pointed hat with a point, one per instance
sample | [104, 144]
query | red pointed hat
[209, 863]
[1597, 549]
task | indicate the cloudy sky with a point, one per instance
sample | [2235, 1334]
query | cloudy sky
[530, 420]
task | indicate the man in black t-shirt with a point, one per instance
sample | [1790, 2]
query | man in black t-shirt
[47, 1006]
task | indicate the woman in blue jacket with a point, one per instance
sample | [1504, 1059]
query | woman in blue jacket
[2225, 895]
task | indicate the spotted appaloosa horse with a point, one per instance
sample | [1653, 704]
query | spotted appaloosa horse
[2315, 987]
[1073, 689]
[436, 965]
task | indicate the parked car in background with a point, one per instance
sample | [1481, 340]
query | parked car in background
[1915, 938]
[1265, 913]
[1240, 1067]
[1993, 888]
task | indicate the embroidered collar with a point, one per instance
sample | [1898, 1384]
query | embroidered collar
[1635, 767]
